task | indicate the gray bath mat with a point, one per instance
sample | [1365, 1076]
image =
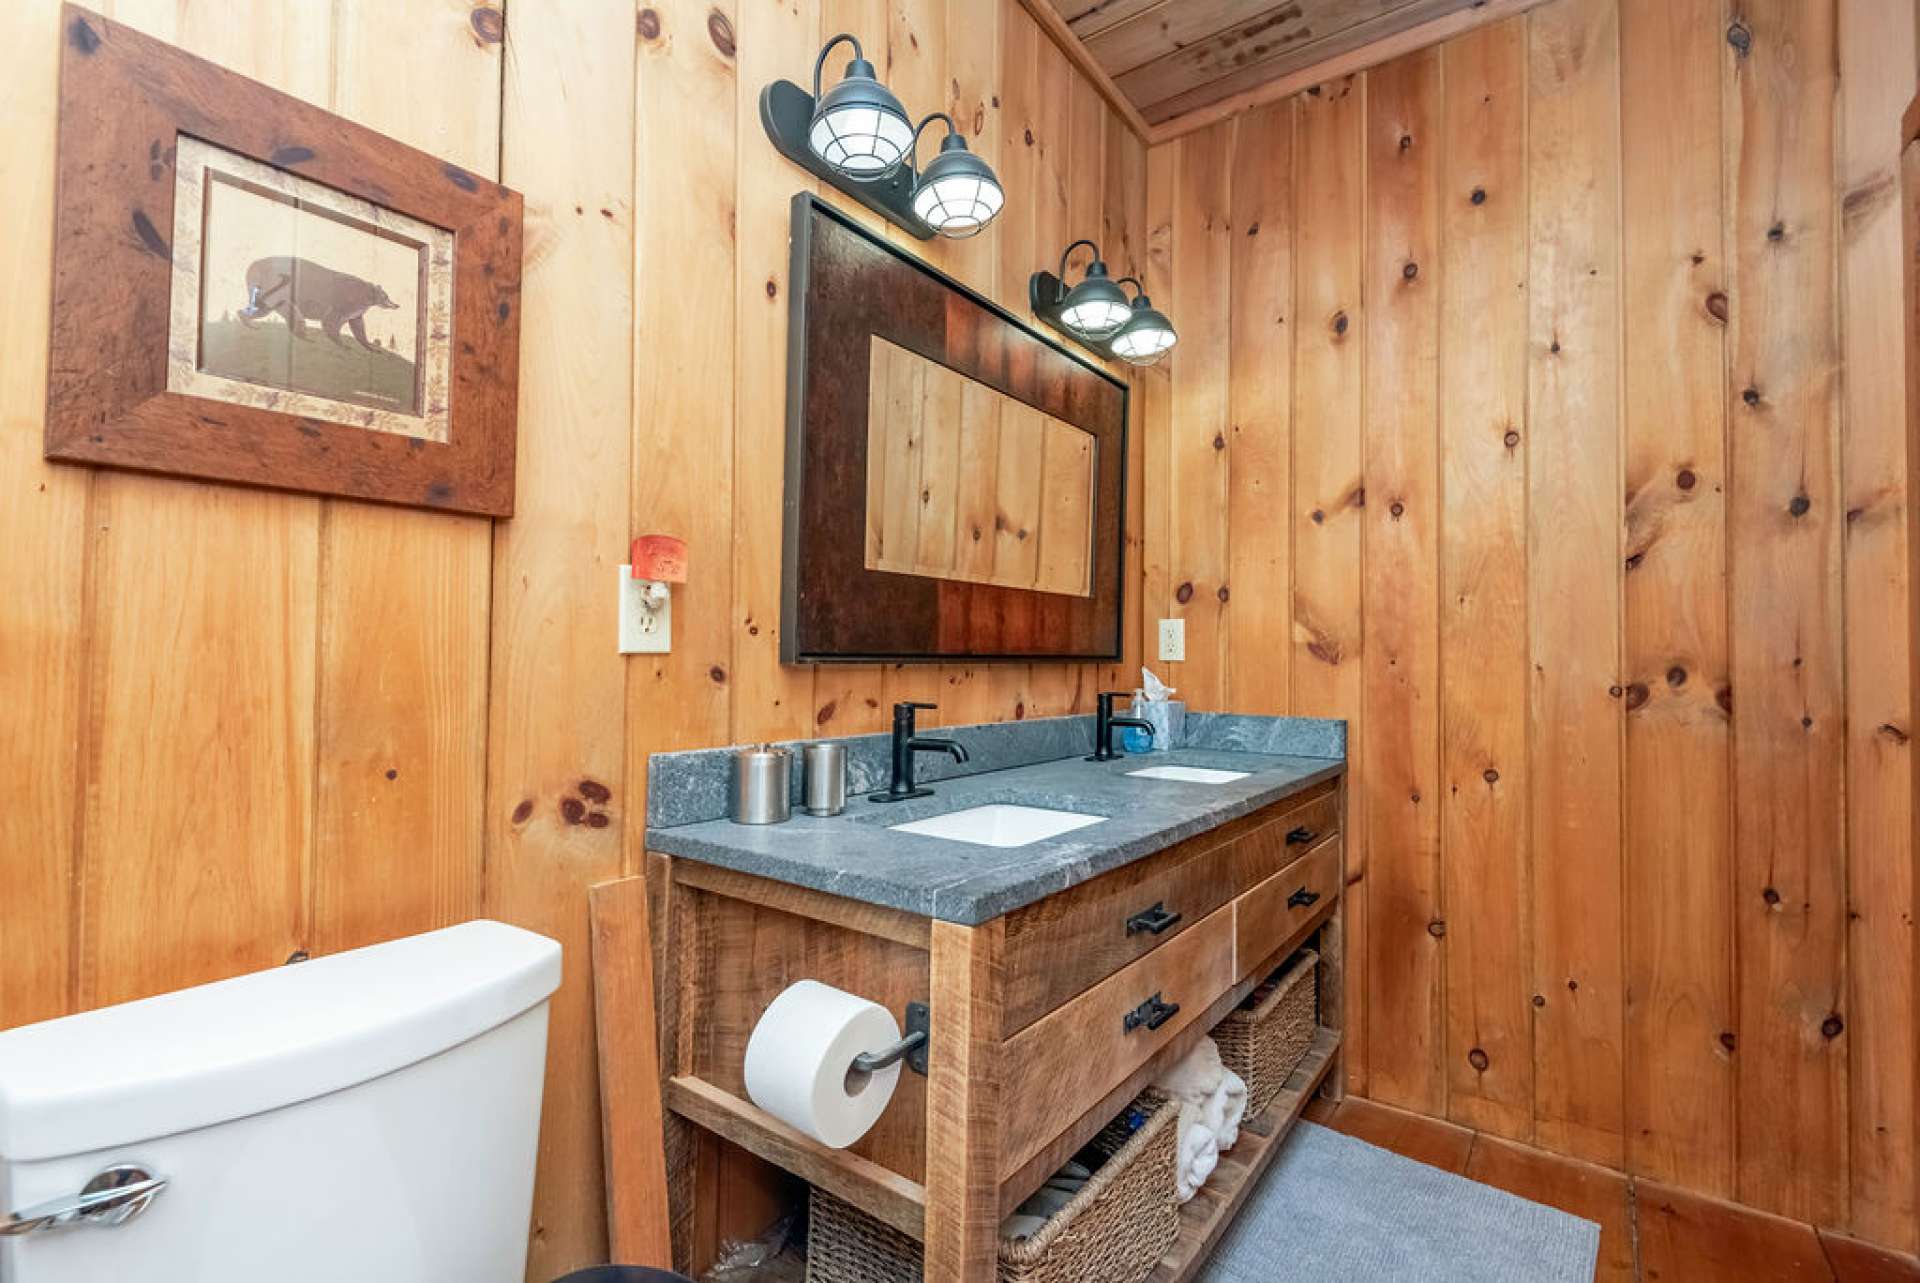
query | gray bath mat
[1335, 1208]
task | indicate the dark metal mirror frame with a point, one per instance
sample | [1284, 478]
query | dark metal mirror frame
[835, 609]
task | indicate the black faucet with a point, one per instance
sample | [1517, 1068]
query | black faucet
[1103, 723]
[905, 745]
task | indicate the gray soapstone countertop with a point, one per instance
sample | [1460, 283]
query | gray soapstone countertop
[856, 855]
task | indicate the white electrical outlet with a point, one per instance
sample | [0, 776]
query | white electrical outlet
[1173, 640]
[646, 617]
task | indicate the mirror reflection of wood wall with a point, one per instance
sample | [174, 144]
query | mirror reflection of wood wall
[964, 482]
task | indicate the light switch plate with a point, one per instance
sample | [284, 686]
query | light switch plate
[1173, 640]
[643, 631]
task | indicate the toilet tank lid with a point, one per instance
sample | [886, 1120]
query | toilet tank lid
[228, 1050]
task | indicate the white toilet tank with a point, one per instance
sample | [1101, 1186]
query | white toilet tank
[369, 1117]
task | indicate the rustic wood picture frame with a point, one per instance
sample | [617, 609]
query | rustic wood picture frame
[848, 286]
[125, 101]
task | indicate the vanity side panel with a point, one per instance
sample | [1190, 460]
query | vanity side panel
[743, 955]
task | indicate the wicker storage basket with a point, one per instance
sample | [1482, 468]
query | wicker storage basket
[1115, 1230]
[1265, 1038]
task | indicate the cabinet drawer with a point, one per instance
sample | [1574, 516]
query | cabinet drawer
[1065, 943]
[1056, 1068]
[1268, 917]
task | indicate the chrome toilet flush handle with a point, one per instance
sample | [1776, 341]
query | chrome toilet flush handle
[111, 1198]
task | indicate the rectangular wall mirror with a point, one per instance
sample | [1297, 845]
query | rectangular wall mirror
[954, 481]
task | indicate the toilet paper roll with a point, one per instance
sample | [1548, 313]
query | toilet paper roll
[800, 1062]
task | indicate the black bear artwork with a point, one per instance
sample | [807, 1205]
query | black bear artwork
[272, 337]
[297, 287]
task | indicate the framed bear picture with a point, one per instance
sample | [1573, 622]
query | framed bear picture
[247, 288]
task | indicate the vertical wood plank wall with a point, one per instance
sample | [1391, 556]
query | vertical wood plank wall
[1539, 411]
[236, 725]
[1591, 520]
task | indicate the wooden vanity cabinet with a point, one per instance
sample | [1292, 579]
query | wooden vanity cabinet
[1031, 1050]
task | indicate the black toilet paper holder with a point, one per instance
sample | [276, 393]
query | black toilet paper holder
[911, 1048]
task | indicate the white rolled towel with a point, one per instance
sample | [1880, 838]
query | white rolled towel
[1233, 1108]
[1020, 1225]
[1198, 1074]
[1199, 1153]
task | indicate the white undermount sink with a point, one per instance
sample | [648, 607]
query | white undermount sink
[1000, 824]
[1190, 774]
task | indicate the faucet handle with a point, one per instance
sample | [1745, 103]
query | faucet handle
[903, 715]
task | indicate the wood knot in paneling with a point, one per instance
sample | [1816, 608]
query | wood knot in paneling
[720, 31]
[489, 25]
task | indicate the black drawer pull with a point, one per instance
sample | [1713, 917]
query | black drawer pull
[1157, 919]
[1300, 836]
[1302, 898]
[1152, 1013]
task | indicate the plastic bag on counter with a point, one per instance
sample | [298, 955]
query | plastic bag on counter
[1154, 703]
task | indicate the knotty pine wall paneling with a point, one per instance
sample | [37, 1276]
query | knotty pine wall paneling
[1329, 499]
[1196, 462]
[1877, 52]
[558, 792]
[1678, 867]
[43, 598]
[1633, 757]
[243, 725]
[1784, 540]
[1260, 410]
[1400, 600]
[1573, 555]
[1483, 582]
[230, 578]
[686, 184]
[403, 639]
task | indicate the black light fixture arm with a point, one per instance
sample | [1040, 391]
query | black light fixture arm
[1139, 290]
[1068, 253]
[913, 150]
[820, 63]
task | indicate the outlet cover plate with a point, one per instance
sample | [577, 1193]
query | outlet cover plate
[1173, 640]
[643, 631]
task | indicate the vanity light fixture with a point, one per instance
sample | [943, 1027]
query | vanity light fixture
[1147, 335]
[1097, 314]
[858, 127]
[859, 138]
[957, 193]
[1097, 306]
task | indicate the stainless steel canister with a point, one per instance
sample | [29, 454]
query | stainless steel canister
[826, 786]
[761, 781]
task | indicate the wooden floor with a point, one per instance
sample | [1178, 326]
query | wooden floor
[1648, 1233]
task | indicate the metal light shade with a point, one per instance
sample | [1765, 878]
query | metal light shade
[859, 128]
[1146, 337]
[958, 194]
[1097, 306]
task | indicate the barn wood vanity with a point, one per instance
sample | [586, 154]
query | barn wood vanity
[1031, 960]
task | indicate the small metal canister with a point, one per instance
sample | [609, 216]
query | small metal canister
[762, 778]
[826, 778]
